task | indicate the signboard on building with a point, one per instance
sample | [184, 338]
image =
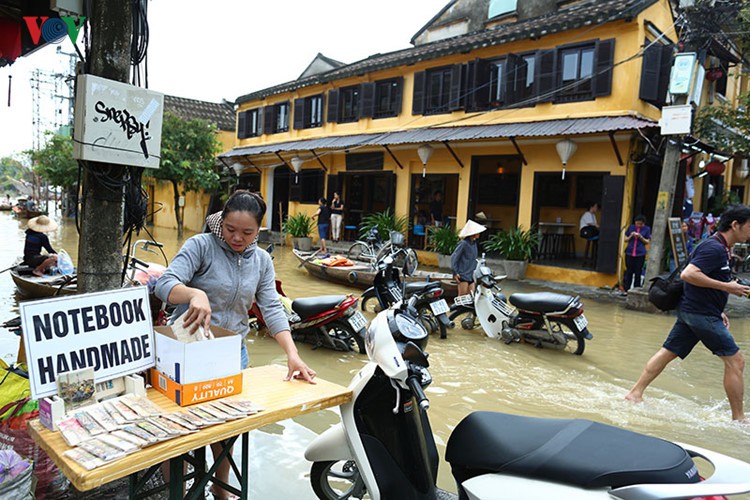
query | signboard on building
[676, 120]
[681, 77]
[117, 123]
[109, 331]
[679, 245]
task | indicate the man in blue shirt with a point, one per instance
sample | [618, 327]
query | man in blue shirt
[700, 315]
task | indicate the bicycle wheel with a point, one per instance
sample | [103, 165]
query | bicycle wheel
[385, 250]
[359, 251]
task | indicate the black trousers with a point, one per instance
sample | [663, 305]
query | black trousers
[633, 271]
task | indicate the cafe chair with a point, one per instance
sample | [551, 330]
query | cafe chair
[589, 254]
[350, 233]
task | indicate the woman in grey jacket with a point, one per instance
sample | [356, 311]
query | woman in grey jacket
[216, 276]
[464, 257]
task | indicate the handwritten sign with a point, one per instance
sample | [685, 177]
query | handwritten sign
[117, 123]
[679, 245]
[109, 331]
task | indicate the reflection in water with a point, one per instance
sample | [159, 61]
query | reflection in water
[472, 372]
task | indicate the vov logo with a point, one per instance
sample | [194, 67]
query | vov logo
[54, 29]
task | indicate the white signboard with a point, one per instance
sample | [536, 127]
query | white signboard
[676, 120]
[681, 77]
[117, 123]
[109, 331]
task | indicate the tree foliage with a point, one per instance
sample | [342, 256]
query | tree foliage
[10, 168]
[725, 126]
[188, 153]
[54, 162]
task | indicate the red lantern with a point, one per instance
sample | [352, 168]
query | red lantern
[714, 74]
[715, 167]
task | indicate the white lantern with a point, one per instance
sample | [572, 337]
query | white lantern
[238, 168]
[425, 153]
[565, 149]
[297, 166]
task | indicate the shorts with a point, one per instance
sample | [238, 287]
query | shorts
[323, 231]
[36, 260]
[691, 328]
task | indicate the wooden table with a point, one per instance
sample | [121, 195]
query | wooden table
[264, 385]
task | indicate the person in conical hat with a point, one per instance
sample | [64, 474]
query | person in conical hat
[464, 257]
[36, 241]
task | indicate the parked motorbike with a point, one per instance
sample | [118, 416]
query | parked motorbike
[545, 319]
[388, 289]
[384, 445]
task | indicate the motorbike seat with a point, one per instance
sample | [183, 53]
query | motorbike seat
[310, 306]
[542, 302]
[421, 286]
[576, 452]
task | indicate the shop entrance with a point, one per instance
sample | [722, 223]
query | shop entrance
[433, 202]
[363, 193]
[280, 197]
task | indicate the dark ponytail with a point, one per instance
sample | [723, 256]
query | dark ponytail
[245, 201]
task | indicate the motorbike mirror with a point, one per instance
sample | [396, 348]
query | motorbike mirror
[269, 248]
[501, 277]
[413, 353]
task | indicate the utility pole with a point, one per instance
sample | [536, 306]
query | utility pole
[100, 241]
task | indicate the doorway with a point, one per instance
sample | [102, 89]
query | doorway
[363, 193]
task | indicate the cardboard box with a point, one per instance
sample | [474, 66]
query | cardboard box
[198, 371]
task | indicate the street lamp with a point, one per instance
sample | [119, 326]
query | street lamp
[297, 166]
[425, 152]
[565, 149]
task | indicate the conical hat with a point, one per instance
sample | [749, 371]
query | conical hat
[471, 228]
[42, 224]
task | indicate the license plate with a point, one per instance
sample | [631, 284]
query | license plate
[581, 322]
[358, 321]
[439, 307]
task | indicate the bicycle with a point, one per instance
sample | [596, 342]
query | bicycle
[366, 250]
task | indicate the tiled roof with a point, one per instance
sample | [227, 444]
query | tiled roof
[547, 128]
[590, 13]
[220, 113]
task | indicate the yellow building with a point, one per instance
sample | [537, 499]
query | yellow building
[524, 112]
[195, 205]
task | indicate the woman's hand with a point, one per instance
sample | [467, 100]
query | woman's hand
[298, 369]
[199, 311]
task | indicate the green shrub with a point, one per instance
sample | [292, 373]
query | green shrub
[443, 239]
[515, 244]
[298, 226]
[386, 222]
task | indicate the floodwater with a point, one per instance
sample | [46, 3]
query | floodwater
[473, 372]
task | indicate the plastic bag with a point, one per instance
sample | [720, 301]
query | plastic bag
[65, 263]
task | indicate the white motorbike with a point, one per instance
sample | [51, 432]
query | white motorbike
[384, 445]
[544, 319]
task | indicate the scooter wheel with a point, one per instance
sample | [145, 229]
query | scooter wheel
[468, 322]
[334, 480]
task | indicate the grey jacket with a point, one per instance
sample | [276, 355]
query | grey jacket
[464, 259]
[231, 280]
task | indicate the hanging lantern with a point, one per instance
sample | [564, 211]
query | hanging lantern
[238, 168]
[744, 169]
[297, 166]
[715, 167]
[565, 149]
[425, 152]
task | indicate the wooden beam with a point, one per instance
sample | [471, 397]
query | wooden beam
[455, 157]
[393, 156]
[518, 150]
[319, 160]
[283, 161]
[614, 146]
[253, 164]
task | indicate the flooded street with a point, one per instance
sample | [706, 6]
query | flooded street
[473, 372]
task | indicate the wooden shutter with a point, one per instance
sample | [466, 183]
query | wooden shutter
[480, 89]
[398, 96]
[366, 100]
[333, 186]
[513, 66]
[605, 53]
[454, 96]
[667, 57]
[269, 117]
[650, 71]
[609, 227]
[295, 186]
[299, 113]
[417, 105]
[333, 105]
[241, 123]
[546, 75]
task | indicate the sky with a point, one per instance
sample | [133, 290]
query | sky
[226, 48]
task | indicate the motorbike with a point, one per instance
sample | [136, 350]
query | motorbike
[384, 445]
[544, 319]
[331, 321]
[388, 289]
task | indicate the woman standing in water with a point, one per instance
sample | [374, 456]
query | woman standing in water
[215, 278]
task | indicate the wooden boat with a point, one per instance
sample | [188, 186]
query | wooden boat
[24, 213]
[362, 274]
[37, 287]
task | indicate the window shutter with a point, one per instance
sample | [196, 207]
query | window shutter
[650, 71]
[268, 120]
[546, 76]
[333, 106]
[258, 122]
[513, 67]
[333, 186]
[609, 236]
[299, 114]
[417, 105]
[667, 57]
[398, 96]
[241, 121]
[366, 101]
[454, 97]
[605, 53]
[480, 88]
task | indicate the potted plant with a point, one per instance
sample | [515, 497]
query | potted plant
[516, 246]
[299, 227]
[386, 221]
[443, 240]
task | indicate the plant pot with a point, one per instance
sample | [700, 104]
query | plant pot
[444, 261]
[302, 244]
[514, 269]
